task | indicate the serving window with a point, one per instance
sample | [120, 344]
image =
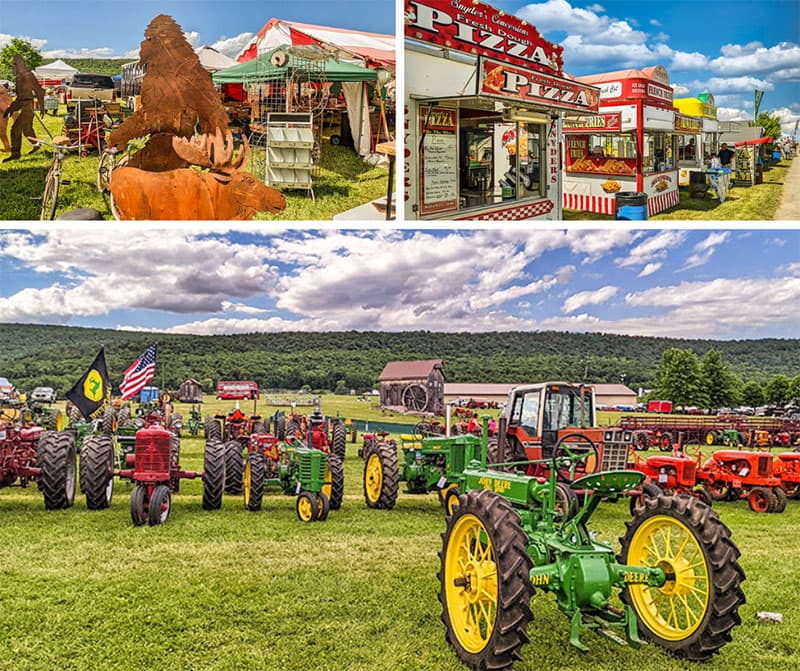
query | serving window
[658, 153]
[607, 154]
[687, 149]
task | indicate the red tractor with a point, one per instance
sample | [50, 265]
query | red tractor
[787, 468]
[670, 474]
[234, 430]
[736, 474]
[28, 453]
[154, 467]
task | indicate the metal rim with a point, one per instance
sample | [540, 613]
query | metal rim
[373, 480]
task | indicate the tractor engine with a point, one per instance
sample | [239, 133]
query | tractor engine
[152, 455]
[17, 452]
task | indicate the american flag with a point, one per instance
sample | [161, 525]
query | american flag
[139, 373]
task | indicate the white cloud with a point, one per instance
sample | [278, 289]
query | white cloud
[682, 60]
[36, 42]
[781, 61]
[232, 46]
[656, 23]
[584, 298]
[192, 37]
[242, 308]
[99, 52]
[704, 250]
[679, 90]
[653, 248]
[650, 269]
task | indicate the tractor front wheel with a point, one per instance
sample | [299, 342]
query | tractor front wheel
[333, 488]
[381, 477]
[306, 506]
[56, 457]
[451, 499]
[160, 505]
[139, 505]
[762, 500]
[649, 491]
[691, 615]
[97, 471]
[253, 485]
[781, 499]
[234, 467]
[701, 494]
[213, 475]
[718, 490]
[484, 582]
[323, 507]
[665, 442]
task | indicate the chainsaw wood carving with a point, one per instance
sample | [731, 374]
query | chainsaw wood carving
[178, 97]
[5, 103]
[28, 89]
[224, 192]
[177, 94]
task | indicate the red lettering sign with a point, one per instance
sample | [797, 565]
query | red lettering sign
[633, 89]
[688, 124]
[480, 29]
[498, 79]
[593, 122]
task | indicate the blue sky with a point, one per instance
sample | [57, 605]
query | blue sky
[114, 28]
[717, 284]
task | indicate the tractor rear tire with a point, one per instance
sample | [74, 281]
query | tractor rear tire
[339, 440]
[641, 441]
[253, 481]
[762, 500]
[160, 505]
[234, 467]
[381, 477]
[292, 428]
[213, 430]
[781, 499]
[334, 482]
[109, 421]
[258, 428]
[213, 475]
[56, 420]
[484, 533]
[323, 507]
[124, 417]
[75, 415]
[175, 423]
[280, 427]
[649, 491]
[56, 457]
[665, 442]
[138, 503]
[706, 535]
[96, 470]
[702, 495]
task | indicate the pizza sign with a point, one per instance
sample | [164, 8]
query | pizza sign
[480, 29]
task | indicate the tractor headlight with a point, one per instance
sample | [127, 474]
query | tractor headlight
[608, 436]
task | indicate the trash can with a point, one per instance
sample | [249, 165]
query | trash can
[630, 205]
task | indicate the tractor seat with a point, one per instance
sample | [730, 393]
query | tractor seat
[609, 482]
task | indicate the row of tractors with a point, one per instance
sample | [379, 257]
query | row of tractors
[241, 456]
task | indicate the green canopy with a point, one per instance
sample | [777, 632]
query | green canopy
[262, 69]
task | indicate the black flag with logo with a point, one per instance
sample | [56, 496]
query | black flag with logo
[92, 392]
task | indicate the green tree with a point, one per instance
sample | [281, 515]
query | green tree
[341, 387]
[794, 388]
[777, 390]
[678, 378]
[770, 124]
[752, 394]
[719, 385]
[17, 46]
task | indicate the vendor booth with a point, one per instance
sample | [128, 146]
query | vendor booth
[630, 146]
[696, 150]
[750, 160]
[485, 94]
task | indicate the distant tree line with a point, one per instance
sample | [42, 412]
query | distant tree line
[34, 355]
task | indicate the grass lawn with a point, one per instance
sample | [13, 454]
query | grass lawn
[345, 181]
[232, 589]
[742, 204]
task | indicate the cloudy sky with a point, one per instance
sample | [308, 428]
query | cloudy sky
[726, 284]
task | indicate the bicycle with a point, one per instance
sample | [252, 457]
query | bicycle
[108, 161]
[53, 181]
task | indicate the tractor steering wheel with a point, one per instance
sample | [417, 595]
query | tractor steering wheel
[566, 459]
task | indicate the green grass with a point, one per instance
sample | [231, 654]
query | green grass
[232, 589]
[742, 204]
[345, 181]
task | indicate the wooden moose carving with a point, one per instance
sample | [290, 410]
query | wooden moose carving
[178, 97]
[224, 192]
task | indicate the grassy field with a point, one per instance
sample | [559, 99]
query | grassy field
[232, 589]
[742, 204]
[345, 181]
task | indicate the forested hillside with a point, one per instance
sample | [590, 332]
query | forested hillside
[100, 66]
[56, 355]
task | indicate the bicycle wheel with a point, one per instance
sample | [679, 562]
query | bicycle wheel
[50, 195]
[104, 171]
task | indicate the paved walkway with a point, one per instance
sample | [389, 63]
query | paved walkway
[789, 209]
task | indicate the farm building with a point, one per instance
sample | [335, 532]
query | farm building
[190, 391]
[605, 394]
[413, 385]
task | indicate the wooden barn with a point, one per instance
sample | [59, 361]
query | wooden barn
[417, 386]
[190, 391]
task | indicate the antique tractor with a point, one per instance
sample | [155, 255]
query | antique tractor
[787, 468]
[195, 422]
[154, 467]
[28, 453]
[735, 474]
[313, 475]
[234, 430]
[670, 474]
[370, 439]
[677, 572]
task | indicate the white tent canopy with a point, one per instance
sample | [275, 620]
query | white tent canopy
[55, 70]
[212, 60]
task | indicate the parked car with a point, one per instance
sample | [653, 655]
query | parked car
[43, 395]
[92, 86]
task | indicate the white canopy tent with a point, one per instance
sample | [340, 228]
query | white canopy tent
[212, 60]
[56, 70]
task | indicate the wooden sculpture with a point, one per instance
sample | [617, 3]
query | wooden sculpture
[178, 98]
[5, 103]
[28, 89]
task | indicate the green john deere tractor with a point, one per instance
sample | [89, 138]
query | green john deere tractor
[677, 572]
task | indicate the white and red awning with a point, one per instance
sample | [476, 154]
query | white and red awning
[375, 49]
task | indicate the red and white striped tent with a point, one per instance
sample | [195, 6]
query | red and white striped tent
[372, 50]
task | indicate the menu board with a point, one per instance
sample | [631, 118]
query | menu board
[438, 173]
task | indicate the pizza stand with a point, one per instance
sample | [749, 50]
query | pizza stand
[485, 97]
[629, 146]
